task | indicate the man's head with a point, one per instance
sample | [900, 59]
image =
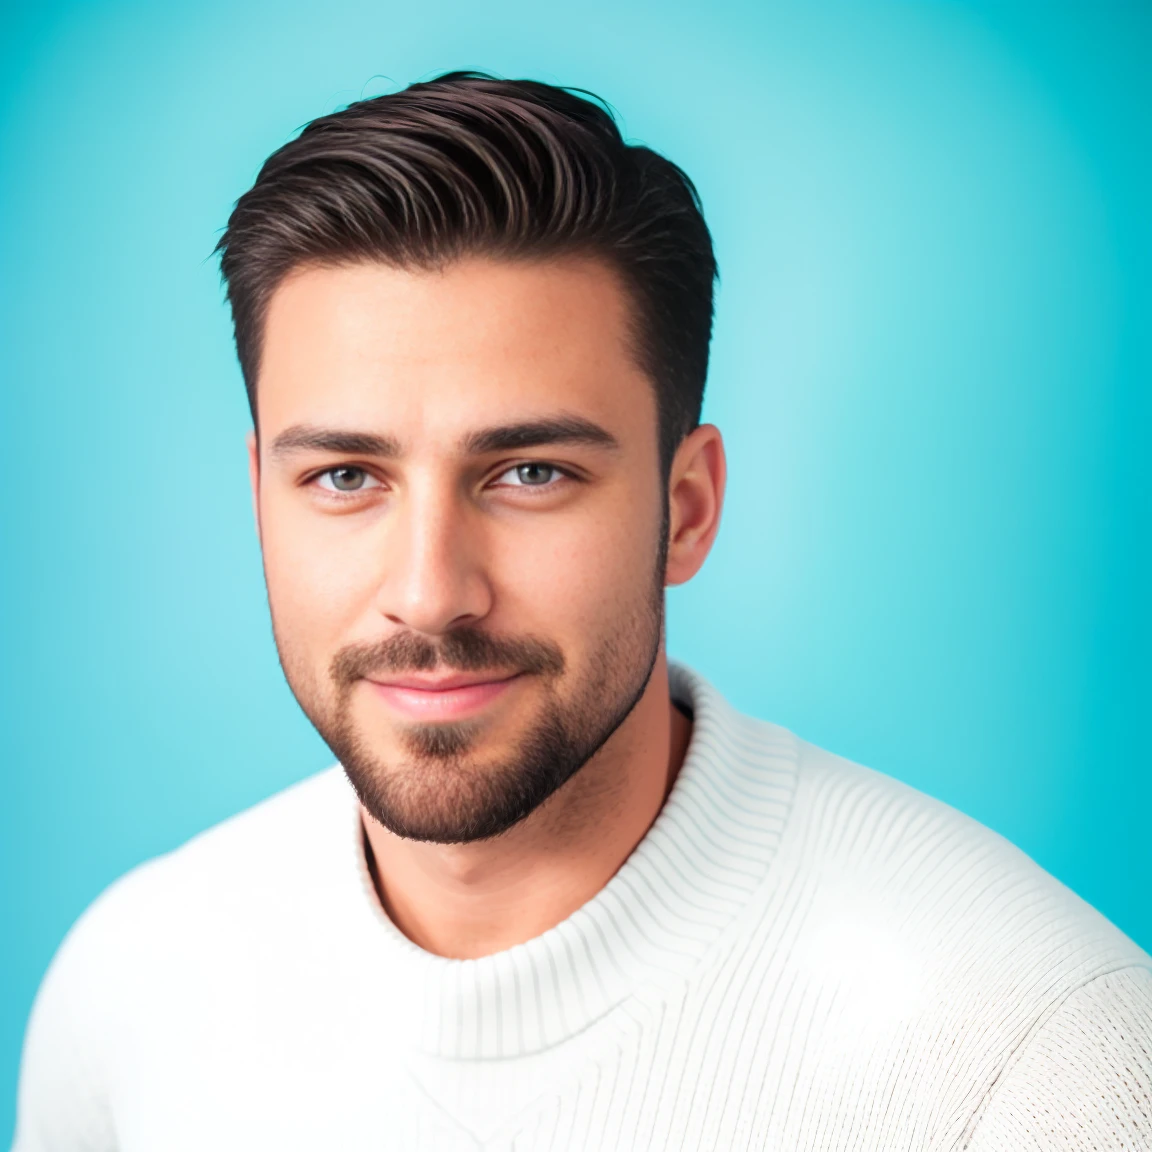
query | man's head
[474, 330]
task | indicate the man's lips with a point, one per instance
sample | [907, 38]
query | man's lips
[432, 698]
[439, 683]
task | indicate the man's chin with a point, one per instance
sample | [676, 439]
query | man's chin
[461, 782]
[448, 742]
[443, 801]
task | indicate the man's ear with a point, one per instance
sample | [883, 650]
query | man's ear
[254, 476]
[695, 498]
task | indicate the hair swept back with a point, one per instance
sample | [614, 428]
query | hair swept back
[471, 164]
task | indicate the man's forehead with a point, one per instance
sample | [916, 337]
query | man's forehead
[495, 305]
[447, 355]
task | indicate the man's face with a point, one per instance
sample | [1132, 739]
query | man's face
[462, 518]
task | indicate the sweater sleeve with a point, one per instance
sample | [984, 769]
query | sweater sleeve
[1083, 1083]
[62, 1105]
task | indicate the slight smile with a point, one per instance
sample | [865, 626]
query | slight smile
[428, 699]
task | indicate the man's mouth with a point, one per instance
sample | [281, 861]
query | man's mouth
[429, 698]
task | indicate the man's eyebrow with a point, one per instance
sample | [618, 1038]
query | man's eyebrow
[310, 438]
[501, 438]
[532, 433]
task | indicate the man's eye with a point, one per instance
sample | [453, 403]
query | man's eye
[347, 479]
[534, 474]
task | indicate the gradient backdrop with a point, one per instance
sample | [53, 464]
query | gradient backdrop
[932, 365]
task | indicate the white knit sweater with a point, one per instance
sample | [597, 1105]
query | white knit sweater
[801, 954]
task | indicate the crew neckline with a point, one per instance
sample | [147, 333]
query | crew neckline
[708, 850]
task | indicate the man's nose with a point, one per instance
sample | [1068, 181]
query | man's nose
[433, 575]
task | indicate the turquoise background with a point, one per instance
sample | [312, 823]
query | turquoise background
[932, 365]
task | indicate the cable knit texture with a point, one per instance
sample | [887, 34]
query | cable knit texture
[801, 954]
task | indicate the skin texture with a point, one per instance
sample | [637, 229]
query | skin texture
[442, 540]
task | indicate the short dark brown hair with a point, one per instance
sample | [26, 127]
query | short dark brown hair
[470, 164]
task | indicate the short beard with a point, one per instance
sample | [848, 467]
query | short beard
[442, 796]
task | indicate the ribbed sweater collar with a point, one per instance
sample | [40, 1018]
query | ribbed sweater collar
[706, 853]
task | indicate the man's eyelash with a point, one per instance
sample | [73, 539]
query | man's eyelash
[560, 471]
[368, 474]
[312, 477]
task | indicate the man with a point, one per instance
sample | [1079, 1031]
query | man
[571, 899]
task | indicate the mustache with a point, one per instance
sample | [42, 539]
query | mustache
[462, 650]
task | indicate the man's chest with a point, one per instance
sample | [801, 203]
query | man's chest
[781, 1069]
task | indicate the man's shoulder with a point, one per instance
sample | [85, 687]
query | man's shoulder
[245, 867]
[933, 891]
[286, 830]
[183, 942]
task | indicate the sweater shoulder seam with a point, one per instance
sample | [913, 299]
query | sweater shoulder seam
[1021, 1049]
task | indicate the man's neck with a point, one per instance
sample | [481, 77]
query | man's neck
[470, 900]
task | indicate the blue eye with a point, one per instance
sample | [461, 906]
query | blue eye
[533, 474]
[347, 479]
